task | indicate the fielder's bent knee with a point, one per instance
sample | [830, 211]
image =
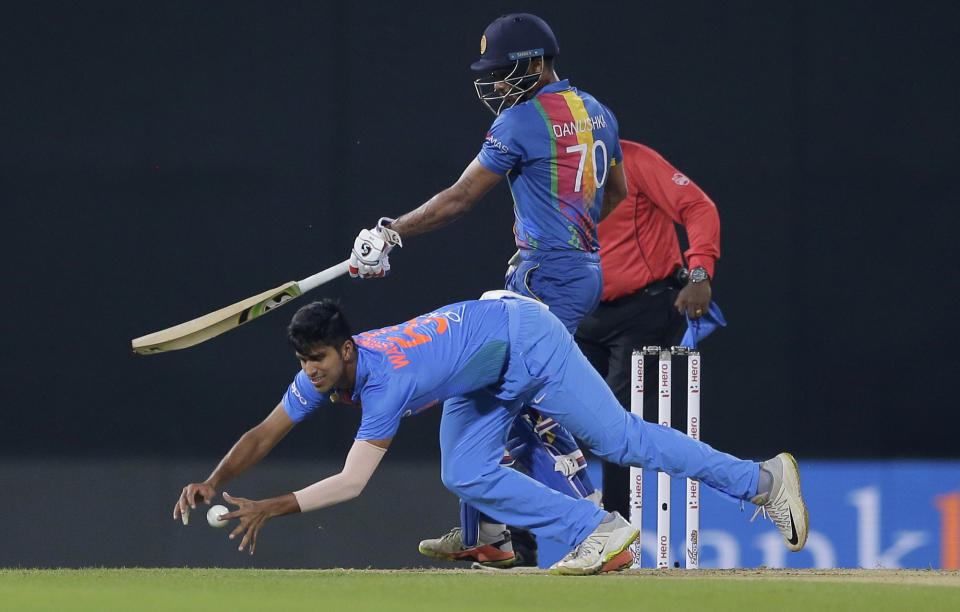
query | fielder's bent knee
[467, 481]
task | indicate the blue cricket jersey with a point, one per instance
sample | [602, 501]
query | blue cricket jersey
[407, 368]
[556, 150]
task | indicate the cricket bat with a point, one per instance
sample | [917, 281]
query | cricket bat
[203, 328]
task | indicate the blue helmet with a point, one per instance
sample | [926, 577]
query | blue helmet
[506, 48]
[512, 37]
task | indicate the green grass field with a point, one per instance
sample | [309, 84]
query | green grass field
[461, 590]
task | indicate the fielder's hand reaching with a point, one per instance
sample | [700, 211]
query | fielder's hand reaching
[369, 257]
[253, 514]
[191, 494]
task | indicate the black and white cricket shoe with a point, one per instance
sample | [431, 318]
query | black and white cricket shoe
[783, 503]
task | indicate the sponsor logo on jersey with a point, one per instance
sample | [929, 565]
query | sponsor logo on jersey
[680, 179]
[497, 144]
[296, 392]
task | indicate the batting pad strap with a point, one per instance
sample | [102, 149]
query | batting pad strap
[571, 463]
[362, 461]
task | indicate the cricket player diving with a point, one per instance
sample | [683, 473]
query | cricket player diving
[484, 361]
[559, 149]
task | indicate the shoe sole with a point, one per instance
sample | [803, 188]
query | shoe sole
[521, 569]
[620, 562]
[475, 555]
[608, 560]
[791, 479]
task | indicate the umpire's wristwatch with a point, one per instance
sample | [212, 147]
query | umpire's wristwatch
[699, 274]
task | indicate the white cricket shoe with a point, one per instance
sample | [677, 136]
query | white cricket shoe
[606, 549]
[783, 503]
[449, 547]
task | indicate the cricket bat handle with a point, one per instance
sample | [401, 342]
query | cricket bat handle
[324, 276]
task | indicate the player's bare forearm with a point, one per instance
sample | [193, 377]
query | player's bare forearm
[448, 205]
[440, 210]
[251, 447]
[608, 205]
[280, 505]
[247, 451]
[615, 190]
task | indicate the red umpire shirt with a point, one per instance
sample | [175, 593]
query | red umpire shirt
[638, 242]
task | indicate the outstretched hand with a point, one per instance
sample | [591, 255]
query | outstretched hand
[253, 514]
[190, 496]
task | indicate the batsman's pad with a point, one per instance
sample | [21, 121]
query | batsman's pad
[546, 452]
[470, 519]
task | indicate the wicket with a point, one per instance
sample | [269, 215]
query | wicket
[664, 382]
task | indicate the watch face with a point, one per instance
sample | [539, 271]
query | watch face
[698, 275]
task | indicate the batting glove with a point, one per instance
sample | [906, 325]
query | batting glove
[369, 258]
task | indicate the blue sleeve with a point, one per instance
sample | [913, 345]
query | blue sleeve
[383, 407]
[501, 151]
[302, 398]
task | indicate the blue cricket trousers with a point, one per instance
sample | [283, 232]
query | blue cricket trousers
[546, 370]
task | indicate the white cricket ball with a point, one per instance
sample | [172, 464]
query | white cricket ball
[213, 516]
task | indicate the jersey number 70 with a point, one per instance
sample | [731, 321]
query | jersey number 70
[582, 149]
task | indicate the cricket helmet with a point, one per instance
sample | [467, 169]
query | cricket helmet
[506, 49]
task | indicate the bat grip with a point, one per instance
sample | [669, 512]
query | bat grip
[324, 276]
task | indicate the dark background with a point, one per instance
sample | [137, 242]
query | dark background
[162, 160]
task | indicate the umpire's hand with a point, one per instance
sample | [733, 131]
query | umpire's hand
[694, 299]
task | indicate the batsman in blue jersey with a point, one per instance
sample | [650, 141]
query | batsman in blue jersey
[484, 361]
[559, 149]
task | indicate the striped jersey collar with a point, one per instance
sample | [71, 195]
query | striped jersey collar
[560, 85]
